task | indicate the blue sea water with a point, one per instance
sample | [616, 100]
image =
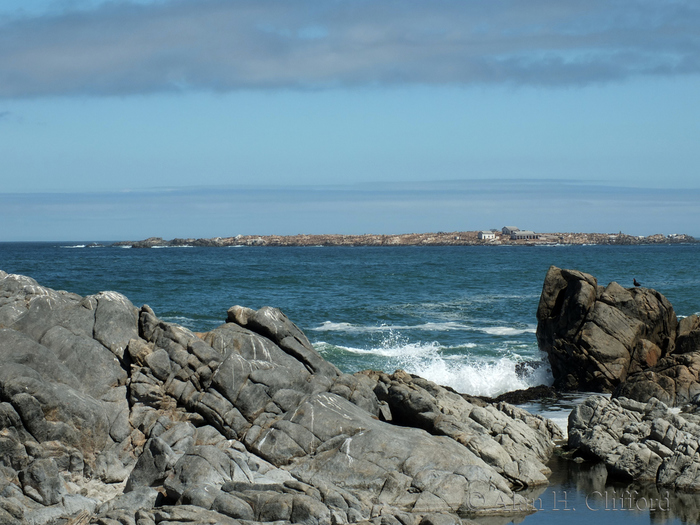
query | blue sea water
[460, 316]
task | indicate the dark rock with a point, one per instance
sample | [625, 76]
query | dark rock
[520, 397]
[688, 339]
[149, 243]
[602, 339]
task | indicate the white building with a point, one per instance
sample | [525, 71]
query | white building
[524, 234]
[487, 235]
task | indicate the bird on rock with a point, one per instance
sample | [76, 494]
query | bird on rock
[634, 280]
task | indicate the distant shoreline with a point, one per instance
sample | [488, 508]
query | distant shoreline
[465, 238]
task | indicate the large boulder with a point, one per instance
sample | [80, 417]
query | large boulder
[596, 337]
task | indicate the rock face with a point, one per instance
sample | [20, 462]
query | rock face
[606, 338]
[110, 415]
[675, 378]
[640, 441]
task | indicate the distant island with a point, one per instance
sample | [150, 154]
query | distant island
[508, 235]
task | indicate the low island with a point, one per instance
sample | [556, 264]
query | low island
[506, 236]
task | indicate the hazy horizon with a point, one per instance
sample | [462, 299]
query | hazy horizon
[379, 208]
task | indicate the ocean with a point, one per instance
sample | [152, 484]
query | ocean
[462, 316]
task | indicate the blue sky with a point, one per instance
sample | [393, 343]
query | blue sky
[178, 118]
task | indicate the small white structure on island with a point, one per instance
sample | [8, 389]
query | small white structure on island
[524, 234]
[487, 235]
[509, 230]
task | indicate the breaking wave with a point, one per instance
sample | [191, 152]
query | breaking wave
[329, 326]
[459, 367]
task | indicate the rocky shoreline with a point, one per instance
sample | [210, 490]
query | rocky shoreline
[465, 238]
[109, 415]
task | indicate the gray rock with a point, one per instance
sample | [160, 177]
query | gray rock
[11, 513]
[190, 514]
[44, 515]
[116, 322]
[92, 364]
[107, 407]
[203, 465]
[42, 482]
[137, 499]
[75, 503]
[152, 466]
[638, 441]
[232, 506]
[509, 439]
[273, 324]
[24, 357]
[73, 418]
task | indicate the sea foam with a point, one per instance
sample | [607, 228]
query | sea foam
[507, 330]
[456, 367]
[480, 378]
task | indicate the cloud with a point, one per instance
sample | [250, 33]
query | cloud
[123, 48]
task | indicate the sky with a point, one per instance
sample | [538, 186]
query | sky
[121, 120]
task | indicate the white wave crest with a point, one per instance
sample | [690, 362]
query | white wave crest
[455, 367]
[177, 319]
[404, 351]
[74, 246]
[180, 320]
[480, 378]
[507, 330]
[329, 326]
